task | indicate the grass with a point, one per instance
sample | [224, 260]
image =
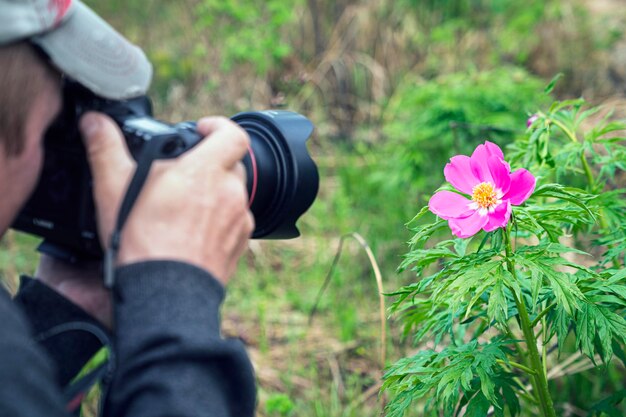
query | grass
[325, 365]
[350, 63]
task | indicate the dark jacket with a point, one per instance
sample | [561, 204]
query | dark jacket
[170, 359]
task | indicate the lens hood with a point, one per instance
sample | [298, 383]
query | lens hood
[282, 178]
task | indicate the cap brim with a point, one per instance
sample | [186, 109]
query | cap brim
[91, 52]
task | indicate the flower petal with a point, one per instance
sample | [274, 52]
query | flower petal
[522, 186]
[449, 205]
[499, 218]
[500, 174]
[459, 174]
[468, 226]
[480, 160]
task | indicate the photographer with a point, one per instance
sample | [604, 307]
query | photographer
[179, 247]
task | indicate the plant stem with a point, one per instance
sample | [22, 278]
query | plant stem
[518, 366]
[542, 314]
[541, 382]
[565, 130]
[588, 173]
[572, 136]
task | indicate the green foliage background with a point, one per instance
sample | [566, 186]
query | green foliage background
[394, 88]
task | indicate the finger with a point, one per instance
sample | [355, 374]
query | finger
[225, 143]
[250, 224]
[106, 149]
[242, 241]
[246, 232]
[240, 171]
[111, 167]
[208, 125]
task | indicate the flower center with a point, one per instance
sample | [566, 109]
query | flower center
[484, 195]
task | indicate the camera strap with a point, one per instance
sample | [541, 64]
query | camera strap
[152, 150]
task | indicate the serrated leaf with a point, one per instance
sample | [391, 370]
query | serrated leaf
[559, 248]
[586, 330]
[536, 283]
[559, 322]
[619, 352]
[478, 406]
[460, 246]
[597, 323]
[486, 385]
[469, 369]
[567, 294]
[424, 210]
[510, 398]
[497, 308]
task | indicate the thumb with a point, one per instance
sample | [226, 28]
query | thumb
[106, 149]
[111, 166]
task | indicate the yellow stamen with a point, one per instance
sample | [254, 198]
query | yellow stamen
[484, 195]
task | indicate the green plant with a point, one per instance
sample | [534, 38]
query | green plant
[427, 122]
[234, 25]
[279, 405]
[505, 307]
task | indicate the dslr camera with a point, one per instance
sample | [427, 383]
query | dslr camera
[282, 179]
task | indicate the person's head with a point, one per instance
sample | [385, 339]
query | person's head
[30, 98]
[40, 42]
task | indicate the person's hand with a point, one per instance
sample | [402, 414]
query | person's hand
[80, 283]
[193, 208]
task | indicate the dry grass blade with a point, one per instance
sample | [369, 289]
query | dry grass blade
[379, 282]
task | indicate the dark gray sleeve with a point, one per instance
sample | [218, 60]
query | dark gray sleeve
[48, 311]
[27, 379]
[171, 359]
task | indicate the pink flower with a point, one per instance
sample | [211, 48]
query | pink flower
[487, 179]
[531, 120]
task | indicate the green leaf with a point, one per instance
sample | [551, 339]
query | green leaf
[586, 330]
[560, 322]
[510, 396]
[552, 83]
[536, 283]
[608, 406]
[497, 307]
[559, 105]
[562, 285]
[619, 352]
[471, 369]
[487, 385]
[595, 323]
[566, 292]
[559, 248]
[573, 195]
[460, 246]
[478, 406]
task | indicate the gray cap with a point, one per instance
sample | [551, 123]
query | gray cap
[80, 44]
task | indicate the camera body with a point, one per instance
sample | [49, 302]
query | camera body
[282, 179]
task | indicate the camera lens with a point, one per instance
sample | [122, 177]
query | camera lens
[282, 178]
